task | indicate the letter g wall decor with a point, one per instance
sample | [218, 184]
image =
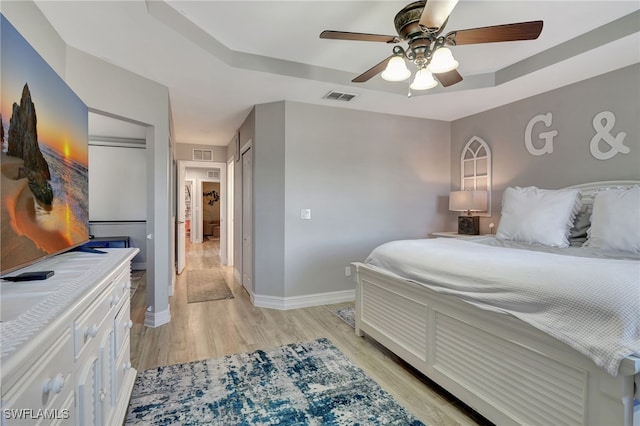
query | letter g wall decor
[603, 124]
[547, 136]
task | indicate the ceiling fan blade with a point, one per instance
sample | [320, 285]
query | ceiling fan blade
[343, 35]
[509, 32]
[436, 12]
[372, 72]
[448, 78]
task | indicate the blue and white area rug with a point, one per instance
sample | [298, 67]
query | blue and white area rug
[299, 384]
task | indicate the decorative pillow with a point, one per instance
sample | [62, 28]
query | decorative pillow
[581, 224]
[615, 221]
[538, 216]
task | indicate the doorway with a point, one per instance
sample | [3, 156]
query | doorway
[210, 209]
[198, 172]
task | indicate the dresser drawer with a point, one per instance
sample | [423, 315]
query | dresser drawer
[42, 395]
[88, 324]
[122, 285]
[122, 326]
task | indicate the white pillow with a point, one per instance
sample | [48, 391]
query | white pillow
[538, 216]
[615, 221]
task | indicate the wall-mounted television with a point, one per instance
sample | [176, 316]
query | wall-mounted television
[44, 160]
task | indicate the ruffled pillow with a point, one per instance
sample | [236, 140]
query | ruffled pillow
[538, 216]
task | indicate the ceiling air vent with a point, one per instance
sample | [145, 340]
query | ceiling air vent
[213, 174]
[339, 96]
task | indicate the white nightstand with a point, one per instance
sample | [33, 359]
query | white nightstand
[456, 235]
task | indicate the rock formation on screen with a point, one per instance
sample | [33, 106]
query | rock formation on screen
[23, 143]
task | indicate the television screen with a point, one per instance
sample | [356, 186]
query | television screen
[44, 159]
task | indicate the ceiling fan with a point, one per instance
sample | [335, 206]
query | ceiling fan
[420, 25]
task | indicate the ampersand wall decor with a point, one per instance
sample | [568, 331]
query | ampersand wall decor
[603, 125]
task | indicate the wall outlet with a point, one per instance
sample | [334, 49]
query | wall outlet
[305, 214]
[347, 271]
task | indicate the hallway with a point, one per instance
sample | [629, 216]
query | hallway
[223, 327]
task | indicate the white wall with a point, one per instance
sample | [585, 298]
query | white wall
[117, 183]
[118, 195]
[108, 89]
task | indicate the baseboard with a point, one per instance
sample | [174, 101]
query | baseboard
[295, 302]
[236, 276]
[156, 319]
[139, 266]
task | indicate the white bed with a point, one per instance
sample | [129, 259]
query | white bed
[502, 357]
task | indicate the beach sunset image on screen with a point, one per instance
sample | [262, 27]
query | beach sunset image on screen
[44, 159]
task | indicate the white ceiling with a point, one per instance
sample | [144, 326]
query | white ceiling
[219, 58]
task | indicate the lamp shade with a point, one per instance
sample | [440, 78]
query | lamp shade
[442, 61]
[468, 201]
[424, 80]
[396, 70]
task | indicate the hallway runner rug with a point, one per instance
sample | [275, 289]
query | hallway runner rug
[206, 284]
[309, 383]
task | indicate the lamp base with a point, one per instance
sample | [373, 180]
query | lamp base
[469, 225]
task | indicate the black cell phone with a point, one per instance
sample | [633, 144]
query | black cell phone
[30, 276]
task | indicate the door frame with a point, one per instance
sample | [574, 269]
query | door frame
[182, 169]
[246, 265]
[230, 209]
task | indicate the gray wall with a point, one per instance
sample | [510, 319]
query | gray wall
[367, 178]
[184, 151]
[573, 108]
[269, 164]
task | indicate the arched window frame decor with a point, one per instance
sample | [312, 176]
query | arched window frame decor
[475, 169]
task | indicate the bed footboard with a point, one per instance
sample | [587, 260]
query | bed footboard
[504, 369]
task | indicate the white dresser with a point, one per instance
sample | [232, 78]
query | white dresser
[64, 342]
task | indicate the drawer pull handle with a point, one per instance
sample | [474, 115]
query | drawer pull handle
[54, 385]
[91, 331]
[126, 286]
[103, 394]
[128, 324]
[126, 365]
[114, 300]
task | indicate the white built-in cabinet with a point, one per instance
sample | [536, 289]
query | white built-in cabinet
[65, 342]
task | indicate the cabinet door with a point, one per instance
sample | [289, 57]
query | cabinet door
[107, 384]
[88, 392]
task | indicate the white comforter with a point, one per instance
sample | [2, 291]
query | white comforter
[592, 304]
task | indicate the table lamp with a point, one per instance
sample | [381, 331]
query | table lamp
[468, 201]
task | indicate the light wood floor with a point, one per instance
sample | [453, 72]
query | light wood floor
[217, 328]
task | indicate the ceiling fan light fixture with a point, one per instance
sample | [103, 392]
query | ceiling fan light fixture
[396, 70]
[442, 61]
[424, 80]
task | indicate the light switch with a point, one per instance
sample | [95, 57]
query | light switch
[305, 214]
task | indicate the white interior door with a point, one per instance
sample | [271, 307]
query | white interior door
[247, 221]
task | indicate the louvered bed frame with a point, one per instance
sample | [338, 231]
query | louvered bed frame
[503, 368]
